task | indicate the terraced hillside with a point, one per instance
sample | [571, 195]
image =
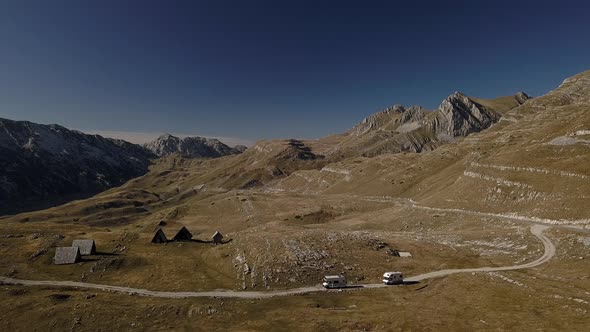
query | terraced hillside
[295, 210]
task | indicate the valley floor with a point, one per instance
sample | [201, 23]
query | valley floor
[328, 234]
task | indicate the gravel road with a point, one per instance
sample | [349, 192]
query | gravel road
[536, 230]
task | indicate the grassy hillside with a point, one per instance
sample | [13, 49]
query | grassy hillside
[292, 214]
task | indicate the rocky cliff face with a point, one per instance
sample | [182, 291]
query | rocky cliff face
[414, 129]
[380, 120]
[459, 116]
[47, 162]
[191, 147]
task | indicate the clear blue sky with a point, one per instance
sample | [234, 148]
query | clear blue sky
[268, 69]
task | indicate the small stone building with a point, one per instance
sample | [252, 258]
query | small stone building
[217, 237]
[67, 255]
[159, 237]
[183, 235]
[87, 247]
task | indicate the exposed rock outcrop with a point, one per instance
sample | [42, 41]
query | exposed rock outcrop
[458, 115]
[379, 120]
[191, 147]
[240, 148]
[521, 97]
[414, 129]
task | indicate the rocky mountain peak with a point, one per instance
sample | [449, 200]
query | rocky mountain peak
[458, 115]
[521, 97]
[412, 114]
[191, 147]
[384, 118]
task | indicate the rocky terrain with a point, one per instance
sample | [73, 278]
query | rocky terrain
[414, 129]
[191, 147]
[458, 187]
[48, 164]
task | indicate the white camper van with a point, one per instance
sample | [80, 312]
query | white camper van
[334, 281]
[393, 278]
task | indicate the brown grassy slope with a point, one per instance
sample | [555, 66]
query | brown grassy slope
[174, 182]
[501, 104]
[511, 167]
[449, 304]
[328, 219]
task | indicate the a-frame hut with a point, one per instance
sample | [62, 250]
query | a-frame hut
[159, 237]
[217, 238]
[183, 235]
[67, 255]
[87, 247]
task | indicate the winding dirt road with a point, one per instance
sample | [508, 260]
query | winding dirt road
[536, 230]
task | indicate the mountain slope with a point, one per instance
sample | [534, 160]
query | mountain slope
[47, 164]
[414, 129]
[533, 163]
[329, 165]
[191, 147]
[292, 216]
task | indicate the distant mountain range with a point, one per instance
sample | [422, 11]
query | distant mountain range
[45, 165]
[191, 147]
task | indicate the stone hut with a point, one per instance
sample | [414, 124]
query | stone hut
[217, 237]
[159, 237]
[87, 247]
[67, 255]
[183, 235]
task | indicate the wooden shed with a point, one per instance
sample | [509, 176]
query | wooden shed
[159, 237]
[87, 247]
[217, 237]
[183, 235]
[67, 255]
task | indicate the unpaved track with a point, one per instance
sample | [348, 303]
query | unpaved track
[536, 230]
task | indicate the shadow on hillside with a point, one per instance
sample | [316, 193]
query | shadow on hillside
[100, 253]
[89, 259]
[97, 256]
[199, 241]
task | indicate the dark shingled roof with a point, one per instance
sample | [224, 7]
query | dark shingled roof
[217, 237]
[67, 255]
[183, 235]
[159, 237]
[87, 247]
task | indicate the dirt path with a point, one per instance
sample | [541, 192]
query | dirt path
[536, 230]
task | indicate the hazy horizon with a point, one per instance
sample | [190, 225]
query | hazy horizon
[145, 137]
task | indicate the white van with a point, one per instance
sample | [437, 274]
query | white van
[334, 281]
[393, 278]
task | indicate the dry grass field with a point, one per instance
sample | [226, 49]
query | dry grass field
[289, 216]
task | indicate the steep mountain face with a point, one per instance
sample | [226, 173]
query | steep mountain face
[414, 129]
[391, 119]
[458, 115]
[191, 147]
[49, 163]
